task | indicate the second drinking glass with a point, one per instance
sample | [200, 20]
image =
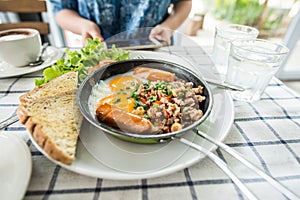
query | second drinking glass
[224, 34]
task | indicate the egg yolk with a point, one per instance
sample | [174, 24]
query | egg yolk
[120, 100]
[123, 83]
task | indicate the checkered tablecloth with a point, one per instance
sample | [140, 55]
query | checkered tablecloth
[266, 132]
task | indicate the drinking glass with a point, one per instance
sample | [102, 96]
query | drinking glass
[224, 34]
[251, 65]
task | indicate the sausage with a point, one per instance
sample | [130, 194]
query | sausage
[125, 121]
[153, 74]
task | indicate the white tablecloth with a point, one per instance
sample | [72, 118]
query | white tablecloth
[266, 132]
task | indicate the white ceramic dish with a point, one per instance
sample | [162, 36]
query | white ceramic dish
[15, 167]
[129, 157]
[51, 55]
[101, 155]
[217, 126]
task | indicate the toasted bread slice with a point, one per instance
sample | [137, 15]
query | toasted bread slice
[51, 114]
[63, 83]
[55, 124]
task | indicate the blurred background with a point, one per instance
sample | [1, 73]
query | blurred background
[277, 20]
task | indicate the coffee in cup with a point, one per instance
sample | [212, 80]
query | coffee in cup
[19, 47]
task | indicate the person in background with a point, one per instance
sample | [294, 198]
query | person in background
[105, 18]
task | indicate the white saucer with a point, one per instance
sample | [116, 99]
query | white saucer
[51, 55]
[15, 167]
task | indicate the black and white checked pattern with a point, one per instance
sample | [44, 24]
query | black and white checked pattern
[267, 132]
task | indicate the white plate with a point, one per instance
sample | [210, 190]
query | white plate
[15, 167]
[134, 158]
[120, 160]
[217, 125]
[51, 55]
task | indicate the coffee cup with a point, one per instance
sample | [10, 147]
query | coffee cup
[19, 47]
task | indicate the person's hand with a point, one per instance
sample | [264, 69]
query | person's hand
[161, 33]
[90, 30]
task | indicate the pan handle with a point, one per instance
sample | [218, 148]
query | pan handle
[220, 163]
[281, 188]
[277, 185]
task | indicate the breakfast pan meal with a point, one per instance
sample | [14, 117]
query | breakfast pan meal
[144, 100]
[149, 102]
[137, 100]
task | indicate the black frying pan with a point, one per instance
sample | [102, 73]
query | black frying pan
[121, 67]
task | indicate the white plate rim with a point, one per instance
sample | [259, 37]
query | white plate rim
[55, 54]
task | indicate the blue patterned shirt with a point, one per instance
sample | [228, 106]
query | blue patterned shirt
[115, 16]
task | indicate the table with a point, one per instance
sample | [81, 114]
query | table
[266, 132]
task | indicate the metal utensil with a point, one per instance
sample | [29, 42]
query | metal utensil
[39, 60]
[222, 165]
[14, 118]
[272, 181]
[223, 85]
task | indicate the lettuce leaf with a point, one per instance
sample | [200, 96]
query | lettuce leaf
[88, 56]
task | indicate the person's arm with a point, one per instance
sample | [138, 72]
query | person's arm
[70, 20]
[164, 30]
[181, 11]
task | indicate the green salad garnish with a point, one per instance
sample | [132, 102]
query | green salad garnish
[88, 56]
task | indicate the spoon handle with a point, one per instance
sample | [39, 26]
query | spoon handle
[224, 85]
[44, 47]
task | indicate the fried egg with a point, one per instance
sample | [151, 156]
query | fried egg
[123, 83]
[115, 91]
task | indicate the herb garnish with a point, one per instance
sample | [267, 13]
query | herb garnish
[153, 98]
[117, 100]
